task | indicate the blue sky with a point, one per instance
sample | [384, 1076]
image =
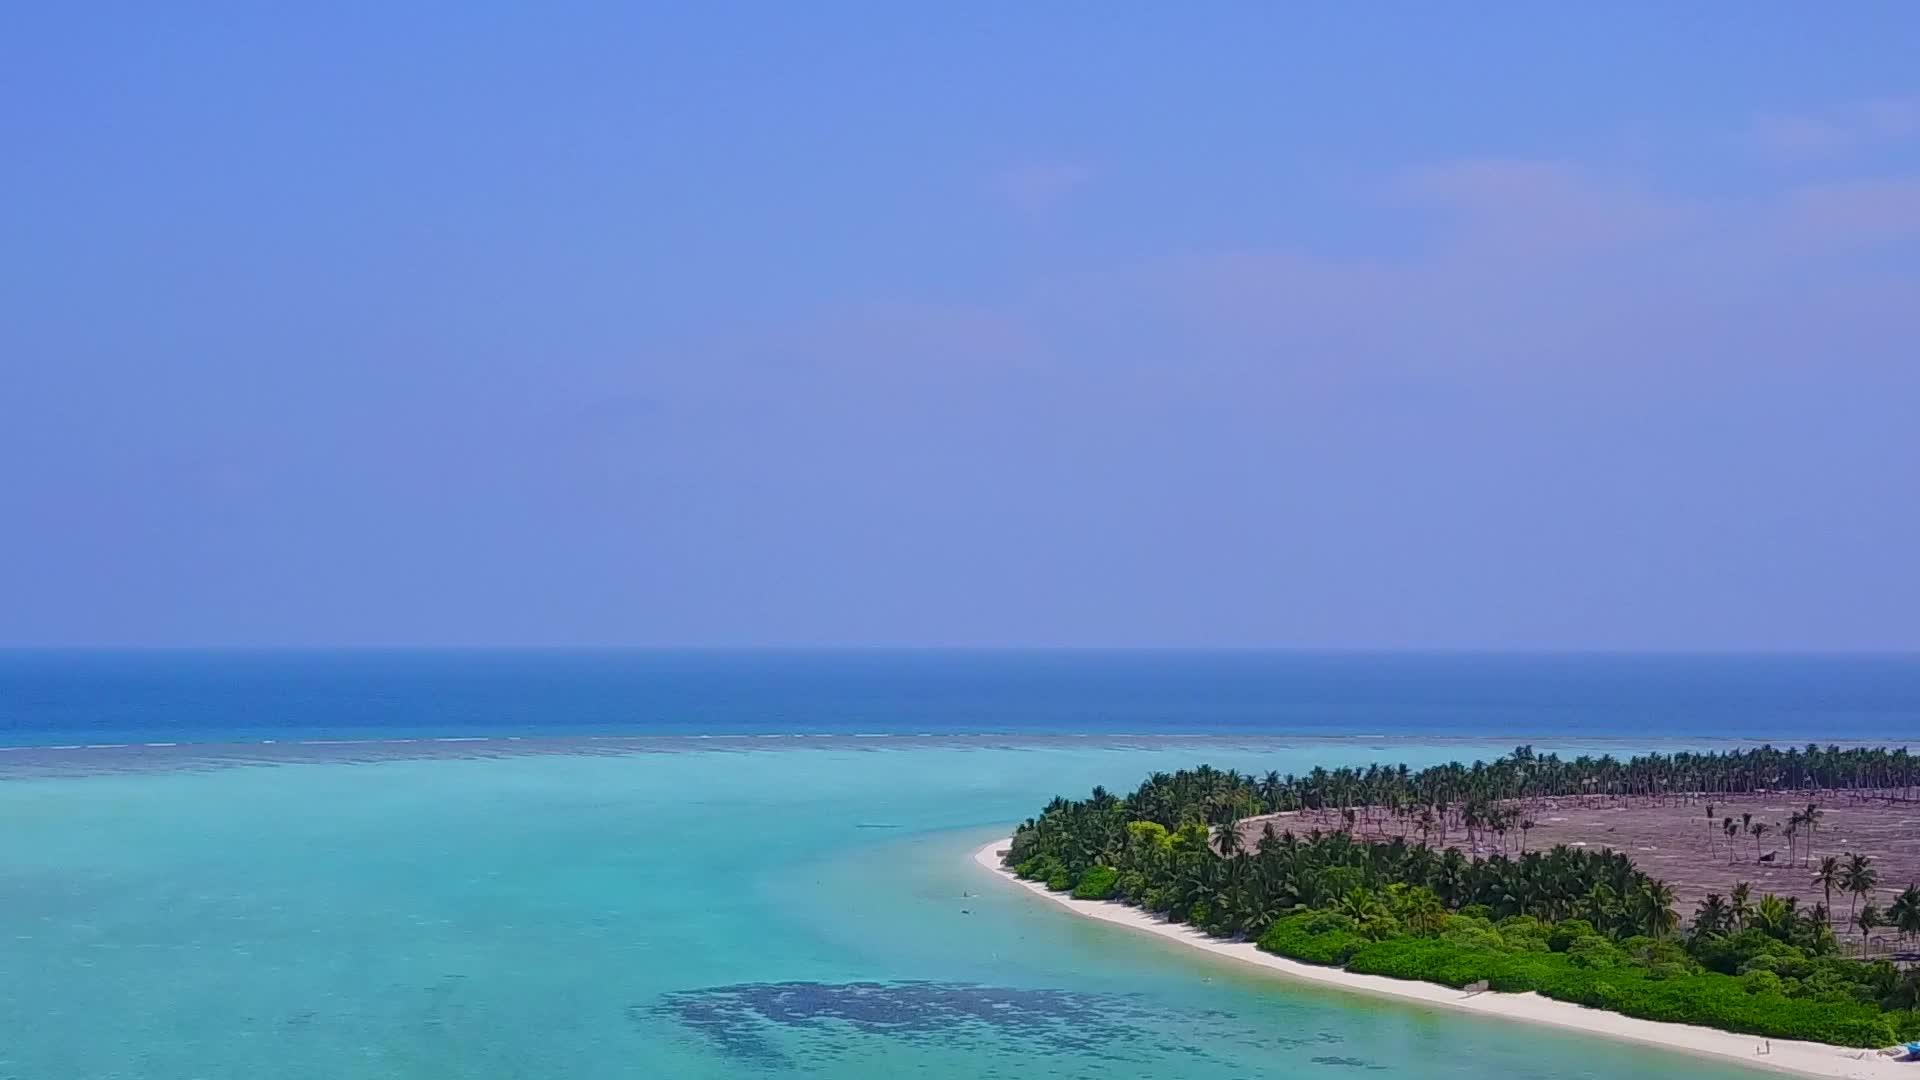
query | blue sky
[1512, 326]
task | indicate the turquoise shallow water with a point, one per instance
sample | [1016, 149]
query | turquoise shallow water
[796, 913]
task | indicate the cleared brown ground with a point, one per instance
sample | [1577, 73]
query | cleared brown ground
[1673, 842]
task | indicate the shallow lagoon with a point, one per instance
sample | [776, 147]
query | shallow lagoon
[699, 914]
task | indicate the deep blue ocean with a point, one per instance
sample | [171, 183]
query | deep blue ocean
[55, 697]
[497, 866]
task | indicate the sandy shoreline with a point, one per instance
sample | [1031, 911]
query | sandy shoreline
[1801, 1058]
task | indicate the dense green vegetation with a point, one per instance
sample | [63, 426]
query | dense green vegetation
[1572, 924]
[1455, 799]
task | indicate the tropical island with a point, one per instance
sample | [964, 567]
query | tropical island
[1526, 875]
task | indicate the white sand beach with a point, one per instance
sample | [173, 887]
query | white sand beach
[1802, 1058]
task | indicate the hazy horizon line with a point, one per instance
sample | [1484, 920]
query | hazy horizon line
[846, 648]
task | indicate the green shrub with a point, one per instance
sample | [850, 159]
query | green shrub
[1525, 932]
[1379, 927]
[1149, 836]
[1046, 869]
[1097, 884]
[1473, 934]
[1655, 954]
[1782, 966]
[1594, 951]
[1731, 954]
[1291, 937]
[1595, 973]
[1427, 960]
[1192, 836]
[1567, 931]
[1319, 922]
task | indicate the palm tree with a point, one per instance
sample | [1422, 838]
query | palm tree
[1269, 841]
[1904, 913]
[1600, 906]
[1868, 918]
[1907, 993]
[1360, 905]
[1829, 876]
[1758, 829]
[1812, 816]
[1792, 830]
[1740, 910]
[1775, 916]
[1424, 913]
[1270, 788]
[1858, 877]
[1727, 826]
[1230, 839]
[1652, 909]
[1712, 916]
[1501, 821]
[1665, 919]
[1820, 917]
[1450, 878]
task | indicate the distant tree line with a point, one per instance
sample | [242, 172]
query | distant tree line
[1485, 802]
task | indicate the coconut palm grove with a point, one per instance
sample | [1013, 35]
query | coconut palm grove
[1322, 882]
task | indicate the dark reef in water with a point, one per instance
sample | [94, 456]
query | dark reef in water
[738, 1018]
[742, 1020]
